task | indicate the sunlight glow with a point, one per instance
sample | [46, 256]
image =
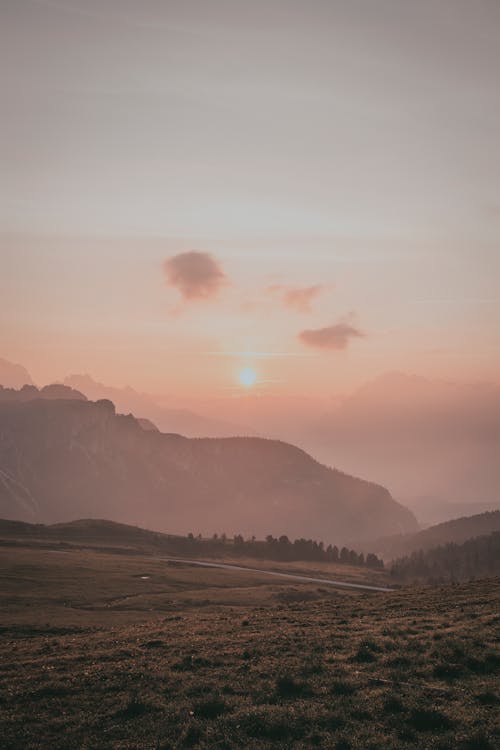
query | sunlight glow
[247, 377]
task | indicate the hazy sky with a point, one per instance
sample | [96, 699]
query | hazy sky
[336, 161]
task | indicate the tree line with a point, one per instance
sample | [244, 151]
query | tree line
[475, 558]
[280, 549]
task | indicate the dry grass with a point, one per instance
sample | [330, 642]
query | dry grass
[92, 588]
[315, 568]
[93, 656]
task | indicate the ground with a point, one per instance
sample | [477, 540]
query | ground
[121, 650]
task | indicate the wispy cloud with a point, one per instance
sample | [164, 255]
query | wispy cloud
[256, 355]
[457, 300]
[194, 274]
[298, 298]
[334, 337]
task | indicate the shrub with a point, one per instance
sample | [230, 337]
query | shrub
[289, 687]
[364, 654]
[273, 726]
[342, 687]
[133, 709]
[192, 736]
[488, 698]
[447, 671]
[393, 705]
[478, 741]
[429, 720]
[210, 708]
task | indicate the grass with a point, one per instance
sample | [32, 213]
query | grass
[94, 656]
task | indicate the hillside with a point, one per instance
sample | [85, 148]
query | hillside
[475, 558]
[456, 531]
[88, 531]
[61, 459]
[126, 651]
[121, 537]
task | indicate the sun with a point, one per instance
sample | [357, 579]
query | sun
[247, 377]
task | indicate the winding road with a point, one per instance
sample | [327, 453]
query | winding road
[291, 576]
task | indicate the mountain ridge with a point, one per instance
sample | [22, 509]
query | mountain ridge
[168, 419]
[13, 375]
[79, 458]
[454, 531]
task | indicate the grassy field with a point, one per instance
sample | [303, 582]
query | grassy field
[113, 650]
[95, 588]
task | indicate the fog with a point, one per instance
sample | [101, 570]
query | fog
[433, 444]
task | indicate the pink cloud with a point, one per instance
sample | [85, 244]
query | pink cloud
[334, 337]
[194, 274]
[298, 298]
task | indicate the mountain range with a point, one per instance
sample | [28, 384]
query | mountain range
[143, 405]
[434, 444]
[62, 459]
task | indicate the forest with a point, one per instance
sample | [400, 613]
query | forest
[475, 558]
[277, 548]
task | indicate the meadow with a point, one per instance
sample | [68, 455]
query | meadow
[120, 649]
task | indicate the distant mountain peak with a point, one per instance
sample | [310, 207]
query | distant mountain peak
[48, 392]
[13, 375]
[169, 419]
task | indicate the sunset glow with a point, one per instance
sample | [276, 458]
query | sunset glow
[206, 204]
[249, 373]
[247, 377]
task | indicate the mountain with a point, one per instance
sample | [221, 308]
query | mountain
[147, 425]
[433, 510]
[50, 392]
[61, 459]
[434, 444]
[181, 421]
[455, 531]
[13, 376]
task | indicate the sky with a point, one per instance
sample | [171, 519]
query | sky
[306, 188]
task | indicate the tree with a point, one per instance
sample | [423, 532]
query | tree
[344, 555]
[353, 557]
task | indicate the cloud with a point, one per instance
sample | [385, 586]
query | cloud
[332, 337]
[298, 298]
[194, 274]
